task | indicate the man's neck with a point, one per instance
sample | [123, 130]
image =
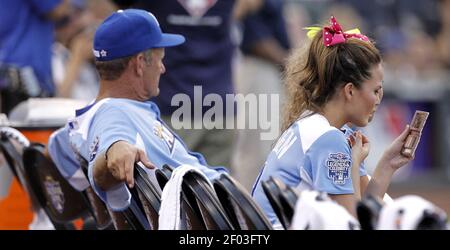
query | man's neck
[115, 89]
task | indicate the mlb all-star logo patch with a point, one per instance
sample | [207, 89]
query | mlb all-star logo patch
[164, 134]
[338, 165]
[197, 8]
[93, 149]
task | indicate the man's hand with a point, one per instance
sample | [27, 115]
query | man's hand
[117, 165]
[121, 157]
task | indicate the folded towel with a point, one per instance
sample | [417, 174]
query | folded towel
[169, 212]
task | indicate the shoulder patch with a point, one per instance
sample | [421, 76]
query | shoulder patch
[338, 165]
[164, 134]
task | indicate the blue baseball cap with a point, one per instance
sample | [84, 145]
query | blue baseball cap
[128, 32]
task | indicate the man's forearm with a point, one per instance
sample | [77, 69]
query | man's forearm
[102, 177]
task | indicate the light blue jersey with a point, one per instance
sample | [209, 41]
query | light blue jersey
[310, 154]
[66, 160]
[101, 124]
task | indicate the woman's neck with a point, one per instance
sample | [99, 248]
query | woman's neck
[333, 111]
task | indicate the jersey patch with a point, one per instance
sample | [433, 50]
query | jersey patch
[164, 134]
[93, 149]
[338, 165]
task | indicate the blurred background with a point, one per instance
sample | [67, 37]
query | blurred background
[413, 36]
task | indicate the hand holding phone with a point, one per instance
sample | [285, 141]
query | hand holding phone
[416, 127]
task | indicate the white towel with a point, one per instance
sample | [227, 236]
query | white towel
[169, 212]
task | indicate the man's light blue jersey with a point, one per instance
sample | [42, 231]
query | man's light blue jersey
[310, 154]
[66, 160]
[101, 124]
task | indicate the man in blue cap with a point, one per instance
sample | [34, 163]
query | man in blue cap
[122, 126]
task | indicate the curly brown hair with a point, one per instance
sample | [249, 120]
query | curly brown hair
[314, 73]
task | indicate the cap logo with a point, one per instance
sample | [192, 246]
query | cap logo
[101, 53]
[96, 53]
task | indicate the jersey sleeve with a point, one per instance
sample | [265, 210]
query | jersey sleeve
[110, 125]
[330, 160]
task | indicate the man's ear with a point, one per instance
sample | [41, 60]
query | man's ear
[139, 64]
[349, 90]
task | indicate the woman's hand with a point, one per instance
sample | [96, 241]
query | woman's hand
[360, 146]
[392, 156]
[391, 160]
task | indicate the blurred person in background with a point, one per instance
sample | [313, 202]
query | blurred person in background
[265, 45]
[406, 31]
[26, 37]
[72, 62]
[443, 36]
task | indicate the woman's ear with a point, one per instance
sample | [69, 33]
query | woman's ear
[349, 90]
